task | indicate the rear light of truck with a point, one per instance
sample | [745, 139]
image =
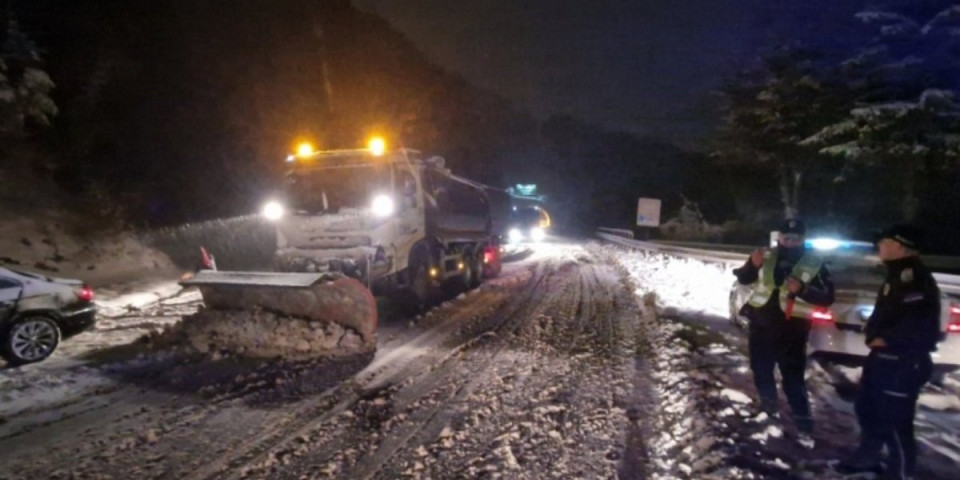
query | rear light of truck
[953, 326]
[490, 254]
[822, 315]
[85, 294]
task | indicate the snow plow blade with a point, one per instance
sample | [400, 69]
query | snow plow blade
[321, 298]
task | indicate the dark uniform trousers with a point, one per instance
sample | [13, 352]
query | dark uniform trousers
[907, 318]
[785, 347]
[779, 342]
[887, 403]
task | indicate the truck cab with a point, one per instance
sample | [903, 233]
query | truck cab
[381, 218]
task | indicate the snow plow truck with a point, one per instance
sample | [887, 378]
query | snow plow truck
[352, 224]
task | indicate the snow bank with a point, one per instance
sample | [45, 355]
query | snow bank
[239, 243]
[43, 243]
[680, 284]
[258, 334]
[708, 425]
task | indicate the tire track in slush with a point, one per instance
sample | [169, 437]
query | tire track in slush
[432, 375]
[581, 289]
[482, 373]
[250, 454]
[424, 386]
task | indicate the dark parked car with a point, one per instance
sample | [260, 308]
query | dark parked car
[37, 311]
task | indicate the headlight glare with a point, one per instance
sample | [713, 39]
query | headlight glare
[273, 210]
[537, 234]
[382, 205]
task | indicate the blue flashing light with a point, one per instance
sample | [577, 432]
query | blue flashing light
[826, 243]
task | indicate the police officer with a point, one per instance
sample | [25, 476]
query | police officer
[902, 331]
[793, 282]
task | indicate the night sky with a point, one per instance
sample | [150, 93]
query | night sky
[647, 67]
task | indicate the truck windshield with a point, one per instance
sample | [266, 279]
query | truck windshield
[330, 190]
[525, 217]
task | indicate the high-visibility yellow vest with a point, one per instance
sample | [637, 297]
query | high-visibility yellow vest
[806, 269]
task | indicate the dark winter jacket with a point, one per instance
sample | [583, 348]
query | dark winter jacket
[907, 312]
[819, 291]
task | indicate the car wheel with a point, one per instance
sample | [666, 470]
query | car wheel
[30, 339]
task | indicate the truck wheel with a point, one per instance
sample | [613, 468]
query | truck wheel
[31, 339]
[478, 271]
[420, 292]
[466, 275]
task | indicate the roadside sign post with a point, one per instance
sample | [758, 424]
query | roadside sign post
[648, 215]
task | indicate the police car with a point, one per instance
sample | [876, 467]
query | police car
[857, 277]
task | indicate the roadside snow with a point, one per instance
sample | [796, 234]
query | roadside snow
[135, 296]
[735, 396]
[940, 402]
[772, 431]
[698, 292]
[681, 284]
[34, 387]
[127, 313]
[42, 243]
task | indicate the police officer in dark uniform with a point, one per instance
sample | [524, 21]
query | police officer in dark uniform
[902, 331]
[791, 283]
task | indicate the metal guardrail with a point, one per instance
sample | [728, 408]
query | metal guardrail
[949, 284]
[719, 247]
[620, 232]
[935, 262]
[727, 258]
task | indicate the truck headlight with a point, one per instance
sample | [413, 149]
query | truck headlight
[514, 235]
[537, 234]
[382, 206]
[273, 210]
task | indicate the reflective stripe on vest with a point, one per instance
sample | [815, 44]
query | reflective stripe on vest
[806, 269]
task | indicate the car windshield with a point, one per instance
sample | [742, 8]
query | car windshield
[329, 190]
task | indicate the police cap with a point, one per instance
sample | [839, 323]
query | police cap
[909, 236]
[793, 225]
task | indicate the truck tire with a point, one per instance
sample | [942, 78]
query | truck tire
[465, 281]
[420, 293]
[478, 268]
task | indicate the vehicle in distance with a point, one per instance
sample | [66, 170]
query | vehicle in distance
[527, 224]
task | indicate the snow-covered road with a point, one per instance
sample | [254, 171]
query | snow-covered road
[580, 361]
[532, 373]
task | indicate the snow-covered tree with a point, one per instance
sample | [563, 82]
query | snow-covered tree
[24, 87]
[787, 97]
[906, 115]
[689, 224]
